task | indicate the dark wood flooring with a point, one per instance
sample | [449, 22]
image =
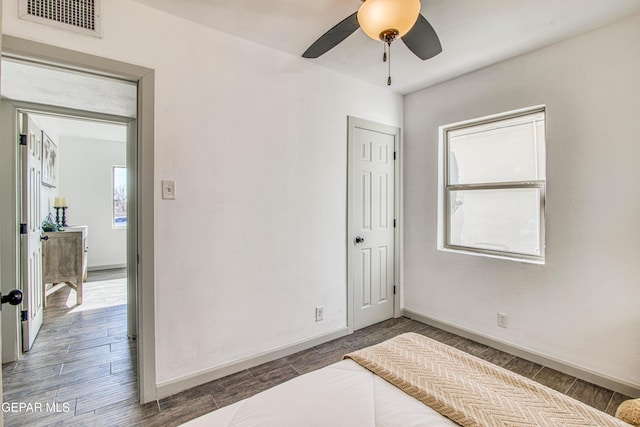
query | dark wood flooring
[85, 363]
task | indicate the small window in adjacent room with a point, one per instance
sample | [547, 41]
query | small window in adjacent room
[119, 197]
[492, 196]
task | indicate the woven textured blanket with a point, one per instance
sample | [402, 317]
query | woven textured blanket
[471, 391]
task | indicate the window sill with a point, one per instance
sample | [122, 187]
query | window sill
[515, 258]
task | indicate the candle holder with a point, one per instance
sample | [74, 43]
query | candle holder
[57, 208]
[60, 223]
[64, 216]
[61, 203]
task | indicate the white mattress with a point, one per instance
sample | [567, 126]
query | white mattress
[340, 395]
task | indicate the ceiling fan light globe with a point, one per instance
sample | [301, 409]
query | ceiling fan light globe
[377, 16]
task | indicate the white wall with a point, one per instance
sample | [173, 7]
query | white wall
[47, 199]
[256, 141]
[581, 307]
[86, 181]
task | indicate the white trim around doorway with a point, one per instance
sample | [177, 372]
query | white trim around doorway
[140, 237]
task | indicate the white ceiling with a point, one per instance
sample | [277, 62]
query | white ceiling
[92, 130]
[473, 33]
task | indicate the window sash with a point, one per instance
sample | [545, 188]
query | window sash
[532, 118]
[539, 185]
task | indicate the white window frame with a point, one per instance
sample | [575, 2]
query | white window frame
[445, 189]
[113, 190]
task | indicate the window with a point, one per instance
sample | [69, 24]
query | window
[493, 186]
[119, 197]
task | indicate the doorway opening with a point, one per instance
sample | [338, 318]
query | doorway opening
[87, 340]
[80, 218]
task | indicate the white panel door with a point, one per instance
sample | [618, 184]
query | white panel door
[371, 217]
[31, 259]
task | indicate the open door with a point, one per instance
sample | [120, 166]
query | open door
[30, 230]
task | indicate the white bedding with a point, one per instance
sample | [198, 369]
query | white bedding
[340, 395]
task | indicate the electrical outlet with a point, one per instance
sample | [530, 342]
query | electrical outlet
[319, 314]
[503, 320]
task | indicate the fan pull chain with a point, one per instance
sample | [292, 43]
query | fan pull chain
[384, 55]
[389, 78]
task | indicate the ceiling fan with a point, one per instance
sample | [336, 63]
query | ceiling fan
[385, 20]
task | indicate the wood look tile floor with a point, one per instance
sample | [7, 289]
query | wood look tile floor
[84, 362]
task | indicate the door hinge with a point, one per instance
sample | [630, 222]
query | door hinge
[138, 258]
[394, 155]
[23, 228]
[394, 223]
[23, 139]
[394, 289]
[24, 315]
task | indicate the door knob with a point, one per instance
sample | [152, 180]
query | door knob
[14, 297]
[45, 238]
[359, 239]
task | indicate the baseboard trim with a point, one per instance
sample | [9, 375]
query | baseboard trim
[106, 267]
[611, 383]
[172, 387]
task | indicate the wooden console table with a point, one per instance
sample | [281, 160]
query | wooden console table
[64, 261]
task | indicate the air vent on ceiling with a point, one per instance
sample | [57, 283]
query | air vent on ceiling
[81, 16]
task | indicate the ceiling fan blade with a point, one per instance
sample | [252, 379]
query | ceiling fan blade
[331, 38]
[422, 39]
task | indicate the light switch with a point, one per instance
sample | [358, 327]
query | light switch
[169, 190]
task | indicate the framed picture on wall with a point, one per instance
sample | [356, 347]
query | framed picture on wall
[49, 161]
